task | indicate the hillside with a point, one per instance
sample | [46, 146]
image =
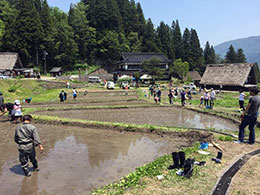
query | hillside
[250, 45]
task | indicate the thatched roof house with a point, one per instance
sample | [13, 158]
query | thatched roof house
[229, 76]
[9, 62]
[194, 75]
[102, 74]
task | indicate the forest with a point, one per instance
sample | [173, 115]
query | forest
[93, 32]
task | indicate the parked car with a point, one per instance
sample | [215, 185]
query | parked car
[110, 85]
[4, 77]
[190, 86]
[94, 79]
[125, 84]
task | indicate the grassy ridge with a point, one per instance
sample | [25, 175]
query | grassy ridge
[26, 89]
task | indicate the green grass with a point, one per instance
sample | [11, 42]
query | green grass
[26, 89]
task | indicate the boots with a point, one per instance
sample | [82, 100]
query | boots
[218, 158]
[188, 168]
[175, 158]
[182, 159]
[26, 172]
[35, 166]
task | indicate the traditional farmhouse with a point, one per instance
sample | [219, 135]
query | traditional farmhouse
[9, 62]
[56, 71]
[131, 62]
[194, 76]
[102, 74]
[229, 76]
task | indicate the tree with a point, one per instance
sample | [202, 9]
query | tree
[180, 68]
[152, 68]
[177, 39]
[209, 54]
[231, 56]
[186, 45]
[196, 60]
[25, 33]
[141, 20]
[240, 56]
[134, 42]
[149, 39]
[164, 40]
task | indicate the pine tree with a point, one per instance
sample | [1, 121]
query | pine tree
[164, 39]
[114, 17]
[149, 39]
[141, 20]
[231, 56]
[209, 54]
[186, 45]
[24, 34]
[196, 60]
[240, 56]
[177, 39]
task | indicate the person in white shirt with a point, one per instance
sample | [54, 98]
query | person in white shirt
[242, 100]
[212, 97]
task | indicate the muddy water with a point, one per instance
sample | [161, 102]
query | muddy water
[77, 160]
[86, 103]
[168, 116]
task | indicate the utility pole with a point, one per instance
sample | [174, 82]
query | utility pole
[45, 65]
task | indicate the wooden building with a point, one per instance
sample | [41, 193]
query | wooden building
[9, 62]
[229, 76]
[56, 71]
[194, 76]
[131, 62]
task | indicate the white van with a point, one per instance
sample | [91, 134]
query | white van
[94, 79]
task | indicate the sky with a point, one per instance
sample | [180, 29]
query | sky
[215, 21]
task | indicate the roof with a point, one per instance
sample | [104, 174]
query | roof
[139, 57]
[226, 74]
[195, 76]
[9, 60]
[56, 69]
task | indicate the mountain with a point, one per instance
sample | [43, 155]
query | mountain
[250, 46]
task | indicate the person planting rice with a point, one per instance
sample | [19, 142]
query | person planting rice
[8, 107]
[17, 111]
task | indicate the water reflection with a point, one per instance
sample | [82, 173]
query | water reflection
[77, 160]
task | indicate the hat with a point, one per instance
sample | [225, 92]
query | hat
[17, 102]
[1, 93]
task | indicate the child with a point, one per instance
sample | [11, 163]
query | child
[17, 111]
[170, 95]
[201, 101]
[74, 93]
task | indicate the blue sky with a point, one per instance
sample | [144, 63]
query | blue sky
[215, 21]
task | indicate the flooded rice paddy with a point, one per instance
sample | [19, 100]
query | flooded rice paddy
[165, 116]
[77, 160]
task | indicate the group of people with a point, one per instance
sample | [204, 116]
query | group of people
[14, 109]
[63, 95]
[156, 93]
[208, 98]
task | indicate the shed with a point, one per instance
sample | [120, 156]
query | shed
[229, 76]
[56, 71]
[194, 75]
[9, 62]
